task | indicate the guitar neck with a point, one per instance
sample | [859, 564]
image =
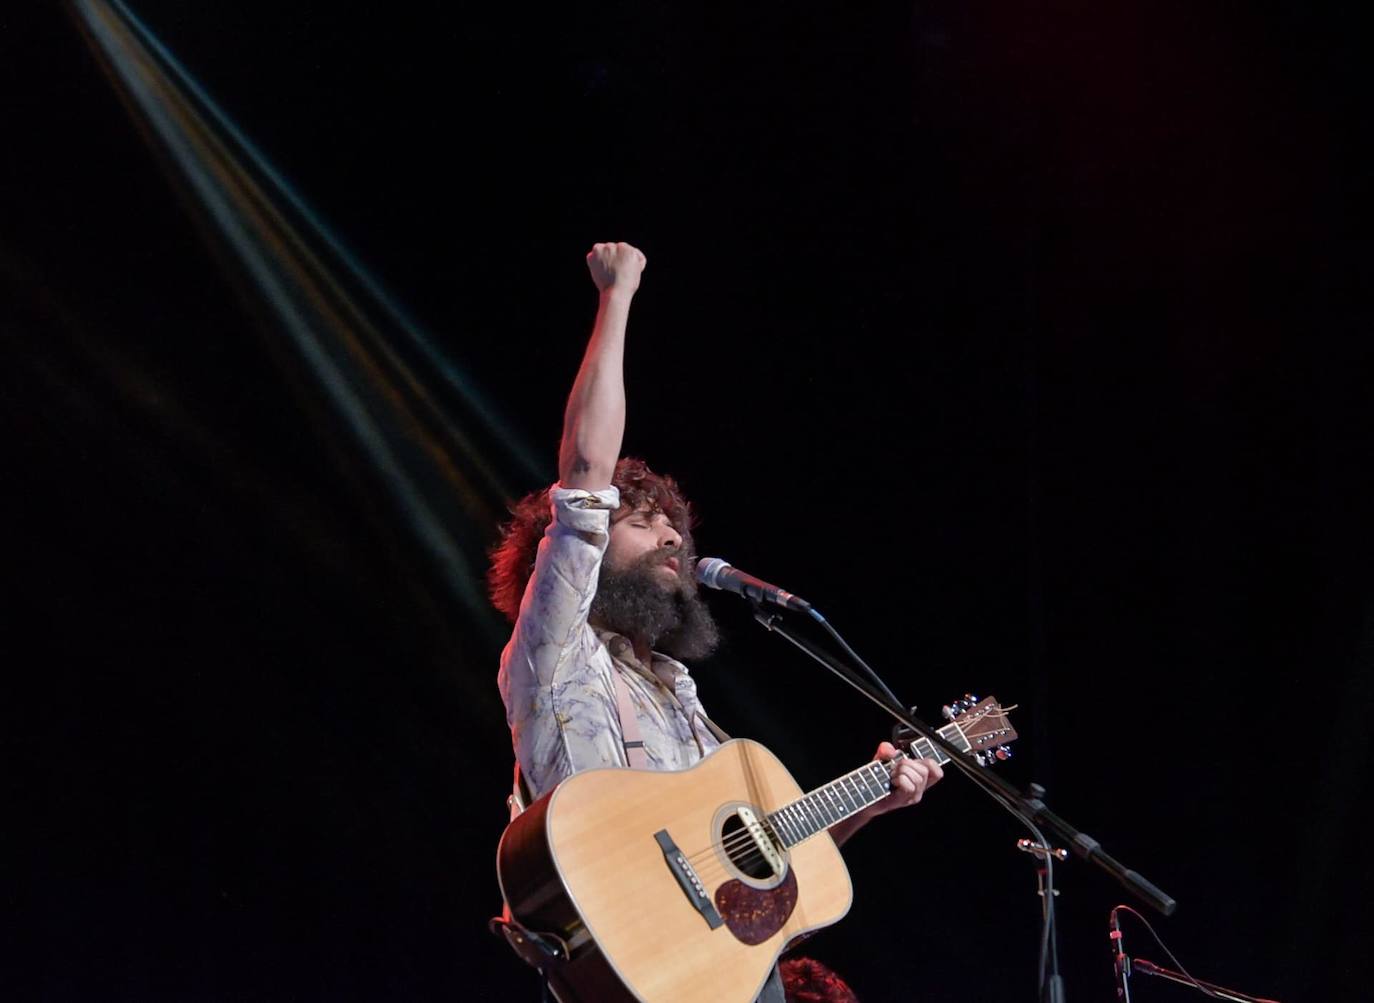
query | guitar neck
[852, 793]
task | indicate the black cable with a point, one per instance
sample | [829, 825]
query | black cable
[1183, 971]
[877, 679]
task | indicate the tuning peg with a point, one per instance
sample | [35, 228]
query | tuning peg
[1002, 752]
[982, 758]
[970, 699]
[949, 713]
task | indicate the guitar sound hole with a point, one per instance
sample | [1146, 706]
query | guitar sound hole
[740, 848]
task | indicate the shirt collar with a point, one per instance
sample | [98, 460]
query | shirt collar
[622, 649]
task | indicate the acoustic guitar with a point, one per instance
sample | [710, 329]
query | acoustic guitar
[686, 886]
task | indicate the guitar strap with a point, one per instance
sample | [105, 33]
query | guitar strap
[631, 737]
[629, 722]
[630, 734]
[714, 728]
[519, 798]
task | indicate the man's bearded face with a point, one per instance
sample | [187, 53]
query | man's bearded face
[653, 596]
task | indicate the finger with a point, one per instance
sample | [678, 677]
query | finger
[936, 774]
[917, 776]
[916, 767]
[886, 750]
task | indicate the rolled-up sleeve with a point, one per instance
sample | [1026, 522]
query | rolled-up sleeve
[552, 642]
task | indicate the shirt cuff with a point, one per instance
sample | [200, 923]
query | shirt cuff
[582, 510]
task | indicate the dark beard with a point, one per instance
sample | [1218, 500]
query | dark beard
[639, 602]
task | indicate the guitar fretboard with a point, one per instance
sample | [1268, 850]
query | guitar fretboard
[853, 792]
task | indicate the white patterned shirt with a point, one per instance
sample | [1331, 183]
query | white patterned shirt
[556, 670]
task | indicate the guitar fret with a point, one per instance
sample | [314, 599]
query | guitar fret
[827, 809]
[857, 780]
[954, 735]
[855, 792]
[837, 800]
[834, 793]
[841, 795]
[876, 778]
[822, 811]
[841, 803]
[778, 820]
[828, 805]
[871, 789]
[794, 823]
[852, 793]
[813, 808]
[927, 749]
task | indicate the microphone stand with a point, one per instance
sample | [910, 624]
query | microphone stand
[1121, 964]
[1032, 810]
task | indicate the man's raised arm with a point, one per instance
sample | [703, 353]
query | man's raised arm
[594, 422]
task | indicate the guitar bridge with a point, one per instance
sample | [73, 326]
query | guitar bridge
[687, 879]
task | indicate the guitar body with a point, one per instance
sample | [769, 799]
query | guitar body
[591, 866]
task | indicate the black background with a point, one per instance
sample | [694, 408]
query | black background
[1027, 342]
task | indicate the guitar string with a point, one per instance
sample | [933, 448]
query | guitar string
[718, 858]
[710, 859]
[744, 838]
[717, 863]
[720, 855]
[730, 848]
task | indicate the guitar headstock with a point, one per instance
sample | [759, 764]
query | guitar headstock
[984, 725]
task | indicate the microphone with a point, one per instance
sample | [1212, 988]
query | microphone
[1120, 963]
[717, 574]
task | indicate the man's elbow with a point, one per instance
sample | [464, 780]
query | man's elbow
[576, 469]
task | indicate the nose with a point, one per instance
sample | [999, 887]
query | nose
[670, 537]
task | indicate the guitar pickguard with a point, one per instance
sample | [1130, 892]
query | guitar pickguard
[755, 914]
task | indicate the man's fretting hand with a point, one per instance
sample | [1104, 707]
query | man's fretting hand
[616, 266]
[910, 780]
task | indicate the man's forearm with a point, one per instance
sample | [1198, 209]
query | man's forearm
[841, 831]
[594, 422]
[909, 783]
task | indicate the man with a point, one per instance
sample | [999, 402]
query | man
[596, 574]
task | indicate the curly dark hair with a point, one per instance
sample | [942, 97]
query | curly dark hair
[512, 559]
[805, 980]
